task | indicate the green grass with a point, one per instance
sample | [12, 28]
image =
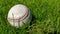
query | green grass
[46, 17]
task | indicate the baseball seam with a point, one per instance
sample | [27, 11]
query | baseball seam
[18, 19]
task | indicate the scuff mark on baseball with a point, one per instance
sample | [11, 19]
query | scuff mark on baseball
[18, 15]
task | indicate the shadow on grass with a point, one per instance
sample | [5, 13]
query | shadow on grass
[33, 20]
[32, 23]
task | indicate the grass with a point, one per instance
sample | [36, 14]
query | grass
[46, 17]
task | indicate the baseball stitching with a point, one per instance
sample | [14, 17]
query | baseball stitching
[18, 19]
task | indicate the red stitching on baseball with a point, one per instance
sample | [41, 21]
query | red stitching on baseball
[18, 19]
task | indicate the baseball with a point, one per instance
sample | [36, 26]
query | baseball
[19, 15]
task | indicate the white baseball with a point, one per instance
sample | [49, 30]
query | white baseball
[18, 15]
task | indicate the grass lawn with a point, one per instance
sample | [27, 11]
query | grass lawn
[45, 17]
